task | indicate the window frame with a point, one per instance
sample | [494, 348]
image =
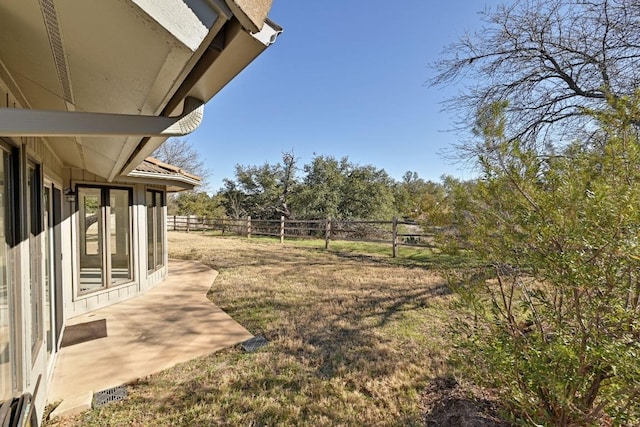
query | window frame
[158, 230]
[12, 228]
[104, 238]
[34, 227]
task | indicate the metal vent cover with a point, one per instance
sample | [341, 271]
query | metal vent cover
[57, 47]
[109, 395]
[254, 344]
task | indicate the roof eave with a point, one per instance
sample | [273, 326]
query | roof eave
[240, 49]
[182, 183]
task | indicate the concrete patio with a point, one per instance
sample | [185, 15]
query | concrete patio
[172, 323]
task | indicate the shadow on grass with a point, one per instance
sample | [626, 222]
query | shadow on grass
[426, 260]
[339, 329]
[353, 338]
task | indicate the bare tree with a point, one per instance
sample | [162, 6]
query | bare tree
[288, 180]
[551, 60]
[180, 152]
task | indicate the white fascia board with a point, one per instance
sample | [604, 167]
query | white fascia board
[150, 176]
[189, 23]
[171, 186]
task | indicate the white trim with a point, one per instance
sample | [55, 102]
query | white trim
[190, 25]
[77, 295]
[163, 177]
[23, 122]
[268, 34]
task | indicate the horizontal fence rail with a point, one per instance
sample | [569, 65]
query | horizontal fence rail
[395, 232]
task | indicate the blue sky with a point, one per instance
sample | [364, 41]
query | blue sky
[346, 78]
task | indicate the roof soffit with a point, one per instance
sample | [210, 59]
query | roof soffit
[189, 23]
[118, 59]
[241, 48]
[123, 57]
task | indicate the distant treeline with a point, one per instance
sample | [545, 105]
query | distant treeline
[326, 187]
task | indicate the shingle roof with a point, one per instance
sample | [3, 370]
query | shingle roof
[155, 169]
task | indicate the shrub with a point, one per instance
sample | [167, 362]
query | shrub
[556, 309]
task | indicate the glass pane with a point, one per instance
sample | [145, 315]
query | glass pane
[119, 236]
[5, 323]
[47, 268]
[90, 232]
[150, 232]
[35, 256]
[159, 231]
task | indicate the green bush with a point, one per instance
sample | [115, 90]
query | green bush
[556, 309]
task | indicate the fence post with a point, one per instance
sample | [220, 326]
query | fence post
[222, 226]
[282, 229]
[188, 221]
[248, 227]
[394, 242]
[174, 223]
[327, 233]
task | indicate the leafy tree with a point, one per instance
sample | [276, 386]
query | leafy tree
[197, 203]
[366, 193]
[329, 188]
[232, 199]
[260, 185]
[551, 60]
[261, 191]
[319, 195]
[421, 200]
[556, 314]
[553, 95]
[340, 189]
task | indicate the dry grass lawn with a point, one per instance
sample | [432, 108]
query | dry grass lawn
[353, 340]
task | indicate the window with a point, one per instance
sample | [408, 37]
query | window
[119, 236]
[105, 237]
[48, 276]
[155, 230]
[34, 212]
[6, 384]
[91, 241]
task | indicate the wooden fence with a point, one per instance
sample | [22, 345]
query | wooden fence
[395, 232]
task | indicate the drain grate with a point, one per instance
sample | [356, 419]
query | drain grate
[254, 343]
[109, 395]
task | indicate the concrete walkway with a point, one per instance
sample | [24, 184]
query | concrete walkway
[172, 323]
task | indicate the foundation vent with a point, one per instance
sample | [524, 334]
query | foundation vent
[254, 344]
[109, 395]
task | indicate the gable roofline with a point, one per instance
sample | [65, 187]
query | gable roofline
[154, 171]
[172, 168]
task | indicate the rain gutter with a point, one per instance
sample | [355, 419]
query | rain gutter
[20, 122]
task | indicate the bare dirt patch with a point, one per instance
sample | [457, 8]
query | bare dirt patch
[445, 402]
